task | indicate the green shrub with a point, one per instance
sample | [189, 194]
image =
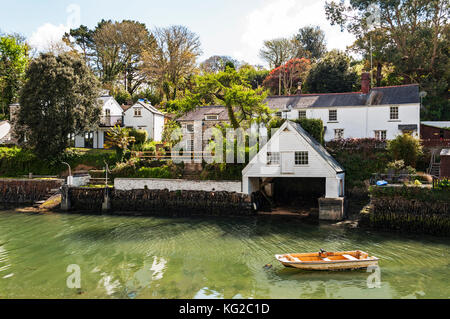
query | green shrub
[15, 161]
[140, 136]
[405, 147]
[360, 157]
[412, 193]
[314, 127]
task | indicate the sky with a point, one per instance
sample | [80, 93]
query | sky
[235, 28]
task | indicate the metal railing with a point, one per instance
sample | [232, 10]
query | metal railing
[168, 156]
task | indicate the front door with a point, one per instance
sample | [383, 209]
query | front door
[287, 162]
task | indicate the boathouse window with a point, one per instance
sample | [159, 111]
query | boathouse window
[332, 115]
[302, 114]
[138, 112]
[394, 113]
[273, 158]
[339, 134]
[301, 158]
[279, 114]
[381, 135]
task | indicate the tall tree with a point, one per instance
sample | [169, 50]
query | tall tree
[290, 74]
[277, 51]
[175, 56]
[312, 40]
[217, 63]
[228, 88]
[332, 74]
[59, 98]
[13, 63]
[114, 49]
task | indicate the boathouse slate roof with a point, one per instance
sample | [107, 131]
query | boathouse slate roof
[318, 147]
[403, 94]
[200, 113]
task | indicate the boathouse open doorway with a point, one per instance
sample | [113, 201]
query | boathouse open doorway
[298, 191]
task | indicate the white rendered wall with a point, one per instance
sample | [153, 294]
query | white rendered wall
[158, 127]
[177, 184]
[363, 121]
[152, 123]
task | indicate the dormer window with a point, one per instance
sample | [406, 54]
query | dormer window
[211, 117]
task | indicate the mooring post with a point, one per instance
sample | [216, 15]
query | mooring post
[65, 201]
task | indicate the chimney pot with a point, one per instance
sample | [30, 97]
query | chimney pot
[365, 82]
[299, 88]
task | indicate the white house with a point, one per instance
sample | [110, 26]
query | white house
[112, 114]
[381, 113]
[293, 153]
[144, 116]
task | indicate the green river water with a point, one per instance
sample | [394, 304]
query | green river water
[128, 257]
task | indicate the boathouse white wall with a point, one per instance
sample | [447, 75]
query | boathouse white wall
[287, 141]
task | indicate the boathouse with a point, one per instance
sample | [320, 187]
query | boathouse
[293, 157]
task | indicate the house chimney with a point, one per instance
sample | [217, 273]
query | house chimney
[299, 88]
[365, 82]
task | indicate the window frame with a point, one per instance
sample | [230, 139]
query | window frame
[379, 135]
[336, 130]
[138, 112]
[300, 158]
[270, 158]
[188, 130]
[394, 113]
[215, 117]
[301, 116]
[330, 118]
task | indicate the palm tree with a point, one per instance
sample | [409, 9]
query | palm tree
[119, 138]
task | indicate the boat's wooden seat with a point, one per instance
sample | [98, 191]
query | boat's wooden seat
[350, 257]
[296, 259]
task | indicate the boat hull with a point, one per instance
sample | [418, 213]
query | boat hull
[333, 266]
[346, 260]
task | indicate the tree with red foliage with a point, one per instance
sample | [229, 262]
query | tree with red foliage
[286, 77]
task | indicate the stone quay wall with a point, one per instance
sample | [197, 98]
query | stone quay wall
[26, 191]
[147, 202]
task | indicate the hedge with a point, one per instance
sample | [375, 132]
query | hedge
[15, 161]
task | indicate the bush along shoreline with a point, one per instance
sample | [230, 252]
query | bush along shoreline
[409, 209]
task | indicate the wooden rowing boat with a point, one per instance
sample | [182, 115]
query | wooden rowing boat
[328, 260]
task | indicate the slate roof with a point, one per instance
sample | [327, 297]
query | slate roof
[200, 113]
[318, 147]
[403, 94]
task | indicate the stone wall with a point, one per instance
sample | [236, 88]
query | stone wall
[162, 202]
[26, 191]
[177, 184]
